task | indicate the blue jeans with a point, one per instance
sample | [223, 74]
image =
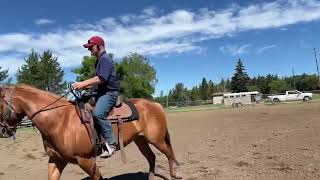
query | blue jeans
[104, 105]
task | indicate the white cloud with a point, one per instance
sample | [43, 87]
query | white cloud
[43, 21]
[12, 62]
[153, 33]
[149, 11]
[235, 50]
[265, 48]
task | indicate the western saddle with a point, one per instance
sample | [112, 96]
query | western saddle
[122, 112]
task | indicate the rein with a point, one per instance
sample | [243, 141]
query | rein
[44, 108]
[64, 95]
[11, 109]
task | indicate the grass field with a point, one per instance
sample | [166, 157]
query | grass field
[194, 108]
[316, 97]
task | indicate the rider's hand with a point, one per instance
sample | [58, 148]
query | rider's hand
[78, 85]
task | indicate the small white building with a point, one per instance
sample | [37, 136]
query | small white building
[217, 98]
[242, 98]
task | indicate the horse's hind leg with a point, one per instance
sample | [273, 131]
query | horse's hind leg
[165, 147]
[90, 167]
[145, 149]
[55, 168]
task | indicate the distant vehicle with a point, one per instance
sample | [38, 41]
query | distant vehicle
[294, 95]
[240, 99]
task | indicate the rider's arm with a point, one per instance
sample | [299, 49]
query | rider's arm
[92, 81]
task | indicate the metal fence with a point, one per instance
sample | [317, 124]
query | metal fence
[264, 99]
[187, 103]
[25, 123]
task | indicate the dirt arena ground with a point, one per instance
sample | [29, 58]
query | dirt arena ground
[260, 142]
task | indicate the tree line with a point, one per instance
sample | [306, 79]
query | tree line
[138, 79]
[239, 82]
[43, 71]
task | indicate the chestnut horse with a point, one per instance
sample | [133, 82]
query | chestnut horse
[67, 140]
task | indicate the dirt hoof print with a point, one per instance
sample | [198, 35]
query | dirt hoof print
[283, 167]
[242, 164]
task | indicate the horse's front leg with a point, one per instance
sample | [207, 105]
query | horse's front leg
[55, 168]
[89, 166]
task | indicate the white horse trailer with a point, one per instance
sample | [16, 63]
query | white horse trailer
[241, 98]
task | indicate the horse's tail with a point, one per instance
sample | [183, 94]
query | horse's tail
[167, 135]
[167, 138]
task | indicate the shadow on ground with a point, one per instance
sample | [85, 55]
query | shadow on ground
[129, 176]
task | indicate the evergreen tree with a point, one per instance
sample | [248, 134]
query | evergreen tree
[51, 74]
[204, 89]
[227, 87]
[29, 72]
[43, 72]
[3, 74]
[240, 78]
[194, 94]
[180, 94]
[211, 89]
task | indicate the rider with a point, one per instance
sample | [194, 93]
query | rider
[106, 84]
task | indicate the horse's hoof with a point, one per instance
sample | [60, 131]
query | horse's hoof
[176, 176]
[151, 176]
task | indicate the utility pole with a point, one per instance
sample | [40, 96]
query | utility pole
[167, 100]
[294, 80]
[315, 56]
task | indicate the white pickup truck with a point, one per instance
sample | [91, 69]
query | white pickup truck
[291, 96]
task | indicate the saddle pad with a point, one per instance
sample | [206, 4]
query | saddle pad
[127, 111]
[121, 111]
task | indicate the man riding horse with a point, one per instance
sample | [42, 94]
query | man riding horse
[106, 84]
[67, 139]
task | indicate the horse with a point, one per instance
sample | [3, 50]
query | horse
[67, 140]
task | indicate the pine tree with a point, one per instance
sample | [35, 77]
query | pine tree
[28, 74]
[3, 74]
[240, 78]
[227, 87]
[204, 89]
[51, 74]
[43, 72]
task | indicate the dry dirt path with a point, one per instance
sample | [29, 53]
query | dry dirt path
[261, 142]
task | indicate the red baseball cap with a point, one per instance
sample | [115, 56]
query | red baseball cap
[95, 40]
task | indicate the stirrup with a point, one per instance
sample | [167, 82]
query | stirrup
[111, 149]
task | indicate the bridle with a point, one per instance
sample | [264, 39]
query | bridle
[8, 114]
[11, 130]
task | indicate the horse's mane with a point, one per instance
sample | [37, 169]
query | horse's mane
[38, 91]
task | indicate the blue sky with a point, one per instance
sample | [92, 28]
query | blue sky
[184, 40]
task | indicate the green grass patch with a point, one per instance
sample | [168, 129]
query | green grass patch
[316, 97]
[27, 129]
[195, 108]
